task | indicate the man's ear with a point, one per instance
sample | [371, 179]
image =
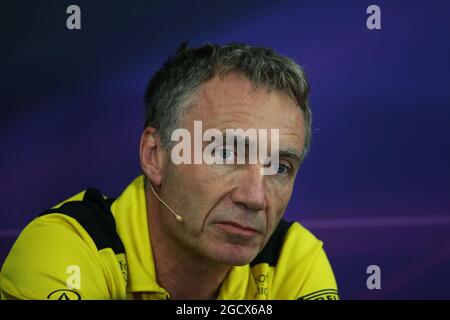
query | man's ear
[152, 155]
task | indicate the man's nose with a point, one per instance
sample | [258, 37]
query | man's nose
[250, 190]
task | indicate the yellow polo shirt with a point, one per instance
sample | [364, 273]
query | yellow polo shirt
[79, 250]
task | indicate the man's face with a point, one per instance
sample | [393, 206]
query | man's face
[231, 210]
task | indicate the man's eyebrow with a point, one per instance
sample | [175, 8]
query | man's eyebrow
[291, 153]
[238, 138]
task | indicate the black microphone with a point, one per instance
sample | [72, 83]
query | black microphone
[177, 216]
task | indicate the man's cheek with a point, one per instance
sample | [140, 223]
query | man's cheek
[282, 195]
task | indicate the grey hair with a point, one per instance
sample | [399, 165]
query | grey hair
[173, 88]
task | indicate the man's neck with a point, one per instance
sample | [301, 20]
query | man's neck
[184, 274]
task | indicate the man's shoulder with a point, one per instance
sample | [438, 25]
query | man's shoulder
[301, 241]
[85, 217]
[289, 239]
[52, 224]
[71, 233]
[293, 265]
[88, 213]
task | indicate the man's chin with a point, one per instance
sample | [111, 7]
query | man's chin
[234, 254]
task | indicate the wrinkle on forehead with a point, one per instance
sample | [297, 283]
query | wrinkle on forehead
[232, 101]
[236, 89]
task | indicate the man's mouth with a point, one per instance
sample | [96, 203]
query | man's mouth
[237, 228]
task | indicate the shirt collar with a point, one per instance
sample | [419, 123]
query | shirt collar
[130, 213]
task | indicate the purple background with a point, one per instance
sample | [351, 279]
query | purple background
[376, 185]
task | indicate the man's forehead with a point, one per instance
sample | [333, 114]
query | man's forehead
[231, 89]
[230, 85]
[233, 100]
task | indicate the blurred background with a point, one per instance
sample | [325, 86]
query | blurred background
[376, 185]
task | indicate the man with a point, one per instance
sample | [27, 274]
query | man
[190, 230]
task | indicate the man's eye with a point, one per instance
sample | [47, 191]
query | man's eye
[224, 153]
[281, 169]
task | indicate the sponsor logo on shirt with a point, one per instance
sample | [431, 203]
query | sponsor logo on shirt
[64, 294]
[326, 294]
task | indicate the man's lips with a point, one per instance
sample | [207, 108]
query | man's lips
[238, 228]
